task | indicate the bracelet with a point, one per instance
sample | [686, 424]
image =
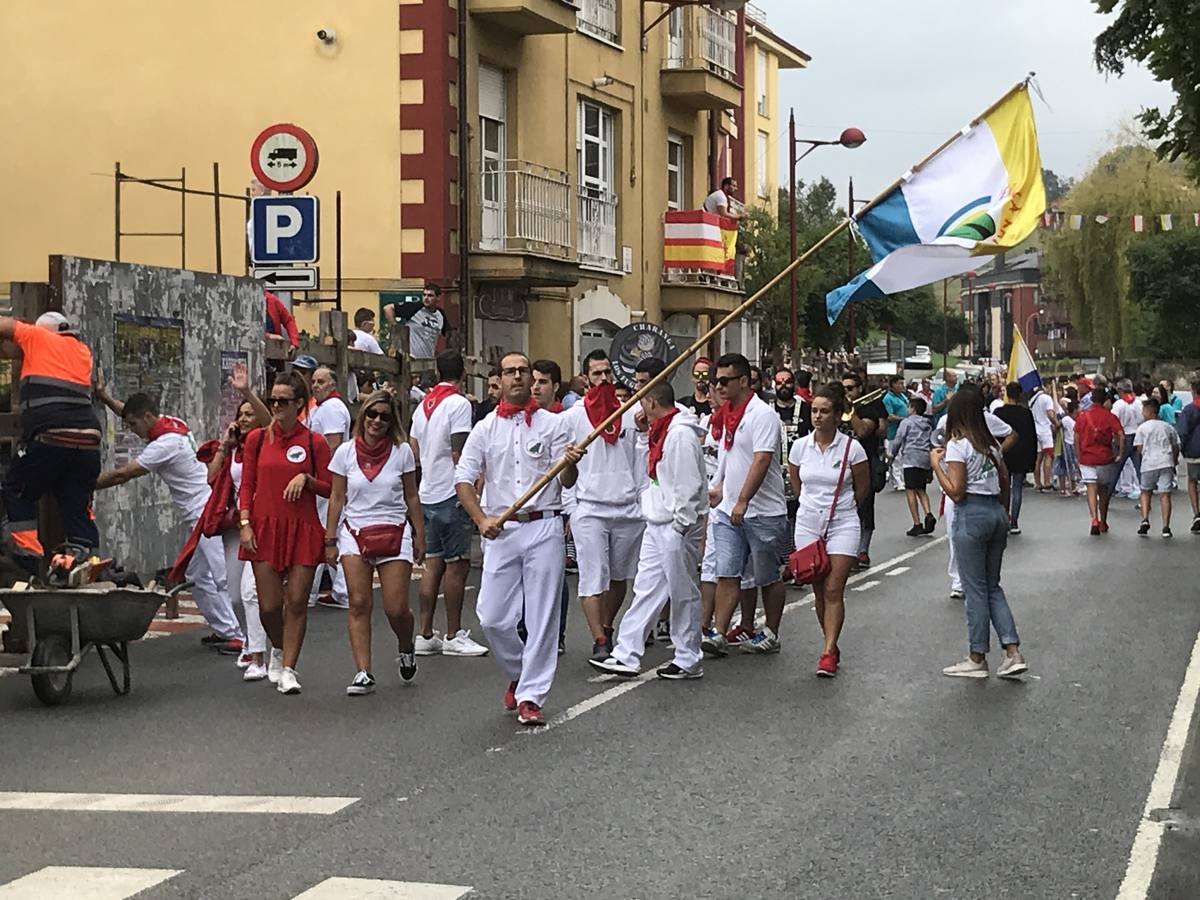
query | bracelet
[244, 522]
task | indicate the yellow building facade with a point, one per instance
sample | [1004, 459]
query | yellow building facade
[583, 124]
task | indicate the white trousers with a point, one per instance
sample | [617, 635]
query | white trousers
[239, 575]
[666, 571]
[606, 547]
[952, 568]
[897, 474]
[340, 594]
[523, 573]
[210, 591]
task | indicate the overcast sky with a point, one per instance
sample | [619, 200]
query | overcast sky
[909, 74]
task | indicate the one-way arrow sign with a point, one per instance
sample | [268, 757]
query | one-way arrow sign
[298, 278]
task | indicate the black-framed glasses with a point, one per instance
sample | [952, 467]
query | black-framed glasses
[383, 414]
[516, 370]
[280, 401]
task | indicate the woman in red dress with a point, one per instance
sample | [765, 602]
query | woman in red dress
[285, 468]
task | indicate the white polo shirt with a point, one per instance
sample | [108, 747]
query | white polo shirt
[757, 432]
[452, 416]
[512, 456]
[172, 457]
[819, 471]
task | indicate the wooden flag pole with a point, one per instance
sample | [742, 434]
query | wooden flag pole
[671, 367]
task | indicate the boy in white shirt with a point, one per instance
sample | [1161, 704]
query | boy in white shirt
[1157, 445]
[1066, 464]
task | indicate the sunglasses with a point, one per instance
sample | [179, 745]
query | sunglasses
[784, 381]
[700, 374]
[383, 415]
[280, 401]
[725, 380]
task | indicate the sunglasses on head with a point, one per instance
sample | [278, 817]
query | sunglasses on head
[382, 414]
[280, 401]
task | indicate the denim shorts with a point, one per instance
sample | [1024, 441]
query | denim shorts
[752, 551]
[447, 530]
[1160, 481]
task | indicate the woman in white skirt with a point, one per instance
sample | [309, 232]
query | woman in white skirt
[815, 466]
[375, 524]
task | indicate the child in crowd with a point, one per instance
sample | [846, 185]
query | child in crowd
[911, 446]
[1157, 444]
[1066, 465]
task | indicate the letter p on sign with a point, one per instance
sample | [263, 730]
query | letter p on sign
[284, 229]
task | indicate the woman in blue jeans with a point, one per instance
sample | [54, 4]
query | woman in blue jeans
[972, 473]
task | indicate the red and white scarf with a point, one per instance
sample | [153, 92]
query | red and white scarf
[658, 440]
[436, 395]
[168, 425]
[725, 421]
[506, 410]
[600, 402]
[372, 459]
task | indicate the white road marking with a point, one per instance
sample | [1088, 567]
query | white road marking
[867, 585]
[93, 882]
[625, 687]
[899, 571]
[375, 889]
[1144, 855]
[43, 801]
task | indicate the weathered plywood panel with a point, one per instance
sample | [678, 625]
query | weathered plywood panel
[221, 318]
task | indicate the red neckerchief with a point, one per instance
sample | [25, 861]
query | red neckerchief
[599, 403]
[167, 425]
[804, 394]
[555, 407]
[658, 438]
[372, 459]
[1127, 396]
[436, 395]
[725, 421]
[332, 395]
[506, 410]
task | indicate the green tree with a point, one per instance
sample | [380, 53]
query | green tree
[916, 316]
[1161, 35]
[1164, 270]
[1088, 268]
[1057, 187]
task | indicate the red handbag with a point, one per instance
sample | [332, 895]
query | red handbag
[379, 541]
[811, 562]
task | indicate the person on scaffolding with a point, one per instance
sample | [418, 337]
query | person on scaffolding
[59, 450]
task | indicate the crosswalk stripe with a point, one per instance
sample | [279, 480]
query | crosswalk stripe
[93, 882]
[375, 889]
[172, 803]
[865, 586]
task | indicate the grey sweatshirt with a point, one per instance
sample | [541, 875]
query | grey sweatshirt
[911, 442]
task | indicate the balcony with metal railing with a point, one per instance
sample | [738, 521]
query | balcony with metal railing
[700, 67]
[599, 19]
[523, 212]
[598, 229]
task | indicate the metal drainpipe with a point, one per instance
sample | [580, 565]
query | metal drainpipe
[466, 312]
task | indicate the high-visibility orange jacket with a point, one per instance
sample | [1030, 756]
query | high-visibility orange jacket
[56, 380]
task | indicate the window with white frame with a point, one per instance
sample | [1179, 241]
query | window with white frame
[676, 171]
[599, 19]
[761, 164]
[595, 149]
[760, 79]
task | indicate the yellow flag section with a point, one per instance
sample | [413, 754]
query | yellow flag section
[979, 195]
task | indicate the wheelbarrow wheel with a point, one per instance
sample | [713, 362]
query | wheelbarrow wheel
[52, 689]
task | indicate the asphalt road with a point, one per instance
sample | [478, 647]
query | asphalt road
[759, 781]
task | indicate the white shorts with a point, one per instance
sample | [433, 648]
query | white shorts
[606, 549]
[708, 564]
[348, 546]
[1106, 475]
[1045, 439]
[842, 539]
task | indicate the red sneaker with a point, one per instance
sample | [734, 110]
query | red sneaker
[529, 713]
[510, 697]
[231, 646]
[1095, 526]
[1103, 527]
[739, 635]
[827, 666]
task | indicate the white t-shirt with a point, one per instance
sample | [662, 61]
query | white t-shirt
[757, 432]
[716, 201]
[172, 457]
[1042, 407]
[819, 470]
[367, 342]
[1068, 427]
[378, 502]
[995, 405]
[452, 416]
[330, 417]
[1130, 414]
[996, 425]
[982, 475]
[1158, 442]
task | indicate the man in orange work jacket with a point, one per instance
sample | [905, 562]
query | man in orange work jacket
[60, 436]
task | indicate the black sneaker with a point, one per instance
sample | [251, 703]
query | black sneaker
[1166, 531]
[916, 531]
[363, 683]
[1144, 528]
[930, 523]
[672, 672]
[601, 650]
[662, 631]
[562, 646]
[1196, 525]
[407, 661]
[211, 640]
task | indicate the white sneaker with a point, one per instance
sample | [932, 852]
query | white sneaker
[288, 682]
[462, 645]
[429, 646]
[244, 660]
[968, 668]
[254, 672]
[766, 641]
[274, 666]
[1013, 666]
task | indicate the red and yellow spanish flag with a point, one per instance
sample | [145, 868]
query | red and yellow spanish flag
[695, 239]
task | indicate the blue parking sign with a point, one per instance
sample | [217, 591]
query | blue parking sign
[284, 229]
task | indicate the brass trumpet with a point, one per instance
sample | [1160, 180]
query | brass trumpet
[869, 397]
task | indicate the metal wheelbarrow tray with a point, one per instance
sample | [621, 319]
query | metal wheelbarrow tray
[63, 624]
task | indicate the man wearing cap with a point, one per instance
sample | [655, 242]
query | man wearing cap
[60, 436]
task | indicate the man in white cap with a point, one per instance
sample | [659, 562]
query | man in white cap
[60, 436]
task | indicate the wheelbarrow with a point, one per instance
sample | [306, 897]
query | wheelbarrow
[64, 624]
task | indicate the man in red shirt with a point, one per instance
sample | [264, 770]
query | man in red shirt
[1099, 443]
[279, 323]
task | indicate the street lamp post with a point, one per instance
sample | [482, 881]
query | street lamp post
[850, 139]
